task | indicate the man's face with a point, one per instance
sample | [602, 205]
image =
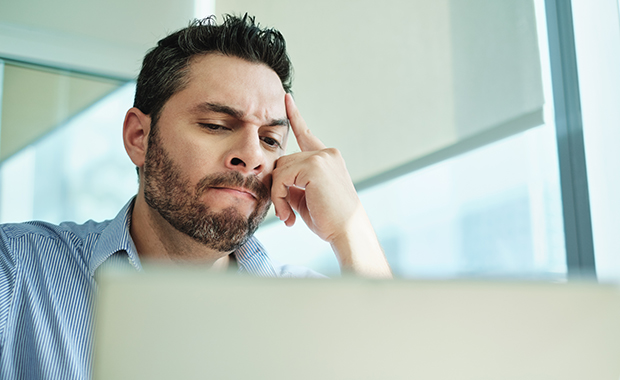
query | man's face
[208, 164]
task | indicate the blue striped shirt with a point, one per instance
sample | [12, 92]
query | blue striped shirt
[48, 284]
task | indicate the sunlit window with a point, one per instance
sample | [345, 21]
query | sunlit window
[79, 171]
[492, 212]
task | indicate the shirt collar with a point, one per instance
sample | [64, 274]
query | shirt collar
[116, 238]
[251, 257]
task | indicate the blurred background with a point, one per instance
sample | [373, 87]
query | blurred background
[443, 111]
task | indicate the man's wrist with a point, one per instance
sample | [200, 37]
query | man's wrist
[358, 250]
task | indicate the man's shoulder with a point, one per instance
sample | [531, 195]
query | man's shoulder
[40, 247]
[27, 240]
[53, 231]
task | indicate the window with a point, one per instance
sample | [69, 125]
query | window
[76, 169]
[495, 211]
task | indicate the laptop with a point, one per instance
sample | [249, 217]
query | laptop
[190, 324]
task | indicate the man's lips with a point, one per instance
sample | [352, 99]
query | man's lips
[238, 191]
[234, 184]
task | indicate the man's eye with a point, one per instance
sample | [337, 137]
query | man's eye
[271, 142]
[213, 127]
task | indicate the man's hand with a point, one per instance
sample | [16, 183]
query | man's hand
[316, 184]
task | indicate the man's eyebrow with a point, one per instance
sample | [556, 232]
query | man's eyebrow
[277, 123]
[218, 108]
[237, 114]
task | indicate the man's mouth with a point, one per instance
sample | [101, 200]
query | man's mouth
[238, 191]
[235, 184]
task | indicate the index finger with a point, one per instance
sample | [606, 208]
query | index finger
[305, 139]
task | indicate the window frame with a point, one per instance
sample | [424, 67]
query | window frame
[577, 216]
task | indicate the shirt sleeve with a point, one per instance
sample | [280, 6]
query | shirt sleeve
[7, 281]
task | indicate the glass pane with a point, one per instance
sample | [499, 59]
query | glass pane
[36, 99]
[79, 171]
[492, 212]
[597, 40]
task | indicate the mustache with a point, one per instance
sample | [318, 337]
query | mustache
[234, 179]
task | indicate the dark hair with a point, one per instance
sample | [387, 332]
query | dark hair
[165, 67]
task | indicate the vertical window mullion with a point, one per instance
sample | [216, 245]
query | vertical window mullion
[571, 151]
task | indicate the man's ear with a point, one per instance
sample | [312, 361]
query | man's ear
[136, 129]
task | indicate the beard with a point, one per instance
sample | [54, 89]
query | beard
[171, 195]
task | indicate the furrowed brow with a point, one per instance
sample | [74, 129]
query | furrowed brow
[218, 108]
[278, 123]
[227, 110]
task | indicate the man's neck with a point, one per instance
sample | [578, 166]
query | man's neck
[157, 240]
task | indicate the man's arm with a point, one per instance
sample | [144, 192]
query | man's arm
[316, 184]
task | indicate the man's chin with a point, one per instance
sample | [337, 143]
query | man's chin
[229, 229]
[233, 211]
[242, 207]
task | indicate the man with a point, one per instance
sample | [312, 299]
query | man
[207, 133]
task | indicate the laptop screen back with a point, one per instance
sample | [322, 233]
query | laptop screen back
[192, 325]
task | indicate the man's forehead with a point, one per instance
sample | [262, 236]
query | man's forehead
[224, 69]
[250, 89]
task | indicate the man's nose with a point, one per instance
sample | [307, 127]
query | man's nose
[246, 154]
